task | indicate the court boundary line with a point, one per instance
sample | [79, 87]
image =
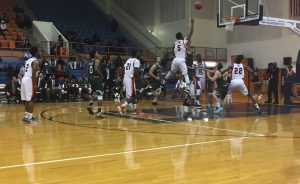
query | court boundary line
[117, 153]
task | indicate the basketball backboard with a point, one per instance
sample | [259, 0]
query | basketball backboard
[248, 12]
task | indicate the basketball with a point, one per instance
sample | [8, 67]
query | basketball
[198, 5]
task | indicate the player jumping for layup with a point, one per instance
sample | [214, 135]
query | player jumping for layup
[95, 75]
[179, 61]
[237, 81]
[28, 85]
[131, 67]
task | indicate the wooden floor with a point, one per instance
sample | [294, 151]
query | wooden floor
[70, 146]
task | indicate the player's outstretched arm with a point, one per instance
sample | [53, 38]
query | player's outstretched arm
[227, 69]
[191, 31]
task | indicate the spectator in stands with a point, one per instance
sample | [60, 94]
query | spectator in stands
[290, 75]
[81, 63]
[72, 64]
[52, 62]
[10, 71]
[17, 70]
[3, 27]
[118, 62]
[60, 61]
[27, 43]
[42, 63]
[47, 70]
[2, 68]
[60, 41]
[58, 71]
[5, 18]
[13, 91]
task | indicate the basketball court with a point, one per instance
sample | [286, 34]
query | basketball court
[169, 143]
[69, 146]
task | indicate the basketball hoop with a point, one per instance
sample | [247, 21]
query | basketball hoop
[229, 22]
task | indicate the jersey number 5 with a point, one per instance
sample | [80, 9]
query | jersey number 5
[238, 71]
[178, 48]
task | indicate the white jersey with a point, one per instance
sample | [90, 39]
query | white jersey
[238, 71]
[129, 66]
[199, 69]
[180, 48]
[28, 67]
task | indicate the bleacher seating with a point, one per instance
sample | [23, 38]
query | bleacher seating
[82, 17]
[10, 36]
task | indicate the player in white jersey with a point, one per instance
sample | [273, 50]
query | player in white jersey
[28, 85]
[198, 84]
[131, 68]
[179, 62]
[237, 82]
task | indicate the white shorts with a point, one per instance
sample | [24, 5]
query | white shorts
[27, 89]
[238, 84]
[197, 86]
[179, 64]
[129, 85]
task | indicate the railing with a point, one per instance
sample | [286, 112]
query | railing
[67, 49]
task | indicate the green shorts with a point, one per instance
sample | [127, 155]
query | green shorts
[96, 83]
[221, 91]
[155, 84]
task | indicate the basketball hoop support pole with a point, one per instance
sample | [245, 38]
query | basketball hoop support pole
[278, 22]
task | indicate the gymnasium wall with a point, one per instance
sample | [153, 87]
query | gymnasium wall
[265, 43]
[165, 18]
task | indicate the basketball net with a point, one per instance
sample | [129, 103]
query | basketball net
[229, 22]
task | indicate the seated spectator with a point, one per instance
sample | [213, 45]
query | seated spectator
[3, 27]
[72, 64]
[52, 62]
[47, 70]
[5, 18]
[118, 62]
[13, 91]
[17, 70]
[81, 63]
[10, 71]
[27, 43]
[60, 61]
[60, 41]
[58, 71]
[290, 75]
[2, 69]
